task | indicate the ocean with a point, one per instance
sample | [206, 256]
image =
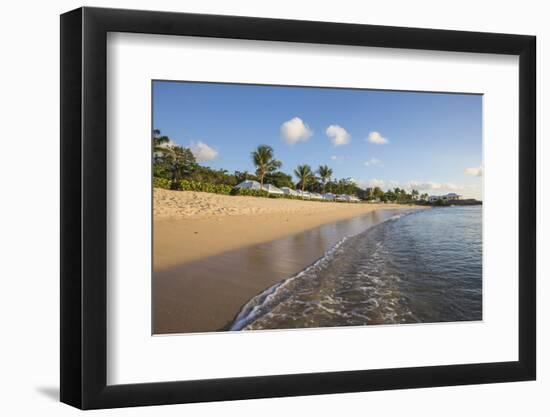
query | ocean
[417, 266]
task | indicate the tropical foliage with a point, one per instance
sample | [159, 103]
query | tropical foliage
[175, 167]
[205, 174]
[264, 161]
[249, 192]
[171, 161]
[397, 195]
[324, 174]
[159, 182]
[205, 187]
[304, 175]
[279, 179]
[241, 176]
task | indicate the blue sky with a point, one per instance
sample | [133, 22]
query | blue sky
[431, 142]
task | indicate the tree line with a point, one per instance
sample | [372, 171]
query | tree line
[175, 163]
[397, 195]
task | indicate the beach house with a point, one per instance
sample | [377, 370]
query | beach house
[255, 185]
[249, 185]
[289, 191]
[271, 189]
[453, 196]
[446, 197]
[348, 198]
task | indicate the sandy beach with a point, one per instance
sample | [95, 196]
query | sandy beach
[212, 253]
[192, 225]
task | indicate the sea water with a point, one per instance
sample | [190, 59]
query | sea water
[422, 266]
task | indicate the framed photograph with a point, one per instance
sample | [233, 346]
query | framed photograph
[258, 208]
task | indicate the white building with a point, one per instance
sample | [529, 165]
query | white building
[271, 189]
[348, 198]
[453, 196]
[255, 185]
[289, 191]
[249, 185]
[329, 196]
[446, 197]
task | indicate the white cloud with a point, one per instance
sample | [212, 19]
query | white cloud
[424, 186]
[371, 183]
[475, 171]
[295, 130]
[374, 182]
[374, 162]
[338, 135]
[432, 186]
[377, 138]
[202, 151]
[334, 157]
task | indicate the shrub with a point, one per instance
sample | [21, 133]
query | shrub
[441, 203]
[248, 192]
[205, 187]
[175, 185]
[291, 197]
[189, 185]
[159, 182]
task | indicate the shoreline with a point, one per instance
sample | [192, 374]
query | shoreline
[188, 226]
[207, 266]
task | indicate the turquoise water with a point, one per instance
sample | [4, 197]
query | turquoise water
[416, 267]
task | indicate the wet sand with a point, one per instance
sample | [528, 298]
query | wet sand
[189, 226]
[206, 288]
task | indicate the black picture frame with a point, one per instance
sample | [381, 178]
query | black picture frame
[84, 207]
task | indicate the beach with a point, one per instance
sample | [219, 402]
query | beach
[213, 253]
[192, 225]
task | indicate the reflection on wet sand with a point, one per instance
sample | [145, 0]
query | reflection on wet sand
[205, 295]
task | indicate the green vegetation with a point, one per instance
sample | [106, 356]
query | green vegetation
[324, 174]
[264, 162]
[397, 195]
[279, 179]
[159, 182]
[190, 185]
[304, 174]
[175, 168]
[250, 193]
[441, 203]
[205, 187]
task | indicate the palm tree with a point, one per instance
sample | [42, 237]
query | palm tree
[414, 194]
[325, 173]
[264, 162]
[159, 142]
[304, 174]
